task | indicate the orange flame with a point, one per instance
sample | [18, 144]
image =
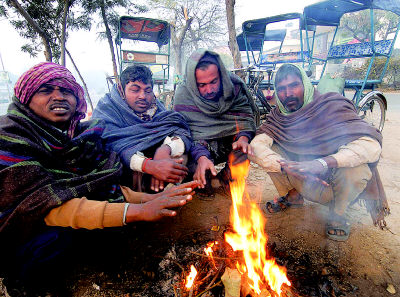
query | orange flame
[208, 250]
[249, 236]
[190, 278]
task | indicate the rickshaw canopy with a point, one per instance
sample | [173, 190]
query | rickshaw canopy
[328, 13]
[144, 29]
[256, 42]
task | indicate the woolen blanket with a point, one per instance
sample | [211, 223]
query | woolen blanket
[126, 133]
[41, 167]
[319, 129]
[208, 119]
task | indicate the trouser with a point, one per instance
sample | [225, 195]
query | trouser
[345, 184]
[41, 258]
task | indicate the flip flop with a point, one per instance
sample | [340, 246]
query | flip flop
[281, 204]
[341, 225]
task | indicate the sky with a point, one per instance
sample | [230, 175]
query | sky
[92, 54]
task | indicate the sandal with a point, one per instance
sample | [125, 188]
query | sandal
[341, 226]
[282, 203]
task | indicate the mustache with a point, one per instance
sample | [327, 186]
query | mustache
[287, 100]
[143, 102]
[213, 94]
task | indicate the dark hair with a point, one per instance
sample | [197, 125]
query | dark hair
[285, 70]
[136, 73]
[203, 65]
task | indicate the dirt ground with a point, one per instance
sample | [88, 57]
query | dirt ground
[367, 263]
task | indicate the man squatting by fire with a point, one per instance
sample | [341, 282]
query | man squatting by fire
[314, 146]
[55, 173]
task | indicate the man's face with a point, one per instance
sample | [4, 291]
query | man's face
[208, 81]
[290, 92]
[139, 95]
[55, 104]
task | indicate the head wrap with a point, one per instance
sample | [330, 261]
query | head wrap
[308, 91]
[47, 72]
[208, 57]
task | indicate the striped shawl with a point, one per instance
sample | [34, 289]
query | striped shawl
[41, 167]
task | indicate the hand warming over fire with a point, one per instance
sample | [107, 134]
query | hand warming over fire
[159, 205]
[203, 164]
[242, 144]
[311, 170]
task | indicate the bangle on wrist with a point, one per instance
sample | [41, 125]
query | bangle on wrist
[144, 163]
[125, 211]
[323, 163]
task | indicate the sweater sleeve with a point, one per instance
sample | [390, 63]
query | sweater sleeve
[88, 214]
[197, 150]
[263, 155]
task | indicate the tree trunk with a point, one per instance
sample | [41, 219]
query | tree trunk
[109, 39]
[233, 46]
[177, 42]
[45, 39]
[63, 31]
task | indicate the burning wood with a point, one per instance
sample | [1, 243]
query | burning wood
[248, 260]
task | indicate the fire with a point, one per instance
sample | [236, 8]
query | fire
[249, 236]
[208, 250]
[190, 278]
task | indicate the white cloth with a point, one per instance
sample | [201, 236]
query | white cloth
[176, 145]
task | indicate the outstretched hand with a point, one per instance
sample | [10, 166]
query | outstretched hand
[161, 204]
[203, 164]
[242, 144]
[306, 170]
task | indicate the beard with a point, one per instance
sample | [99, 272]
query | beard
[292, 104]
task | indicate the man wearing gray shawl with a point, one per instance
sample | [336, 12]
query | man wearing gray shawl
[149, 139]
[220, 113]
[314, 146]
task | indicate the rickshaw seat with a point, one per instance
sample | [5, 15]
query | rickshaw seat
[353, 84]
[359, 50]
[290, 57]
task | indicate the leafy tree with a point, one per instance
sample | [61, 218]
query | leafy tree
[392, 75]
[44, 24]
[358, 25]
[107, 10]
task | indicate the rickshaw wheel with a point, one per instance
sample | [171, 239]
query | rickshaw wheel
[373, 111]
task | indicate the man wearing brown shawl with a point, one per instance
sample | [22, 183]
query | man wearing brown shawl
[220, 113]
[316, 147]
[55, 172]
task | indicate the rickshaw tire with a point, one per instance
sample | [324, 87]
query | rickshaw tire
[368, 107]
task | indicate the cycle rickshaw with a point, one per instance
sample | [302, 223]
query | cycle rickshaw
[345, 52]
[145, 41]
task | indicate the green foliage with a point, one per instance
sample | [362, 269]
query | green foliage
[392, 75]
[357, 25]
[48, 15]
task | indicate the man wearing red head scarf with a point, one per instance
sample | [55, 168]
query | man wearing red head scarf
[55, 172]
